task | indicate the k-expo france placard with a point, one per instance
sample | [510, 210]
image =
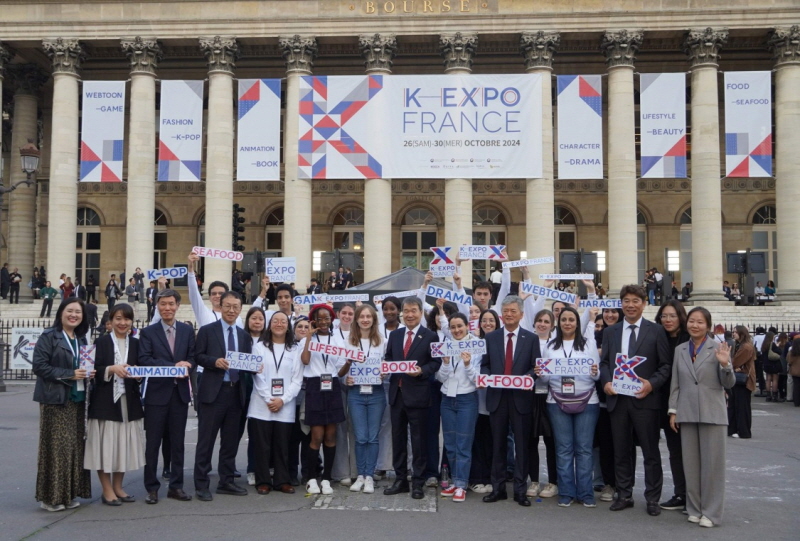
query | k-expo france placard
[662, 117]
[580, 126]
[180, 140]
[748, 124]
[102, 131]
[420, 126]
[258, 130]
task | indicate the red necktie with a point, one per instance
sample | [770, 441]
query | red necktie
[509, 354]
[407, 345]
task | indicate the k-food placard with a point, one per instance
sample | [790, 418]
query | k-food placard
[500, 381]
[23, 342]
[180, 140]
[662, 116]
[748, 124]
[625, 381]
[281, 269]
[258, 130]
[580, 126]
[482, 251]
[420, 126]
[562, 366]
[102, 131]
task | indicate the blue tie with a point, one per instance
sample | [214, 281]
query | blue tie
[233, 373]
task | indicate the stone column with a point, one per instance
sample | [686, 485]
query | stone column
[538, 49]
[457, 50]
[299, 53]
[66, 55]
[5, 58]
[702, 47]
[221, 54]
[378, 51]
[28, 79]
[785, 44]
[144, 55]
[619, 48]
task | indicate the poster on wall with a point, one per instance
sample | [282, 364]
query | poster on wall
[748, 124]
[102, 131]
[580, 126]
[180, 140]
[258, 130]
[662, 120]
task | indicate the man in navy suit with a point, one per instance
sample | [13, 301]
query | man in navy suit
[222, 398]
[166, 343]
[635, 336]
[410, 397]
[510, 350]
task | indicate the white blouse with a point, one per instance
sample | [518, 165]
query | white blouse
[459, 379]
[320, 363]
[279, 363]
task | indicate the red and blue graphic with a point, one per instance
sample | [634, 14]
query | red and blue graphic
[625, 367]
[91, 160]
[440, 256]
[588, 90]
[758, 163]
[497, 252]
[251, 96]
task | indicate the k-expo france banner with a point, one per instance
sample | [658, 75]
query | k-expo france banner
[748, 124]
[420, 126]
[580, 126]
[102, 131]
[258, 130]
[662, 118]
[180, 141]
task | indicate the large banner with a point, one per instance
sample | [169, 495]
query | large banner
[180, 141]
[662, 115]
[259, 130]
[420, 126]
[748, 124]
[580, 126]
[102, 131]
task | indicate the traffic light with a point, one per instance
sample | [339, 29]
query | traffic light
[238, 227]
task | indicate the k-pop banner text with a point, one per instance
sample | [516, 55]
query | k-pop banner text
[662, 115]
[258, 130]
[748, 124]
[180, 142]
[420, 126]
[102, 131]
[580, 126]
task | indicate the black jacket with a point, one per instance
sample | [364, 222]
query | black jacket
[101, 404]
[52, 364]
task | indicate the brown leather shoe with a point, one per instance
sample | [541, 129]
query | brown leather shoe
[178, 494]
[286, 488]
[263, 489]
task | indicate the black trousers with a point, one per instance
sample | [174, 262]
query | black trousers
[47, 305]
[271, 446]
[796, 391]
[111, 301]
[416, 419]
[173, 415]
[90, 295]
[627, 420]
[221, 416]
[507, 413]
[760, 381]
[13, 297]
[740, 416]
[604, 441]
[4, 290]
[480, 472]
[675, 456]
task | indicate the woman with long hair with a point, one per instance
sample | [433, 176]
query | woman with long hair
[67, 288]
[543, 323]
[793, 362]
[771, 362]
[740, 416]
[255, 322]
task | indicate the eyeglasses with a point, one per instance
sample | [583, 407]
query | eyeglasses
[230, 307]
[669, 316]
[216, 293]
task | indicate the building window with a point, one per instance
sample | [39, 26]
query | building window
[566, 233]
[160, 240]
[488, 227]
[418, 235]
[273, 233]
[765, 239]
[87, 246]
[766, 215]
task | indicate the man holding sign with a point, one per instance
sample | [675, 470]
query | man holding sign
[223, 396]
[632, 337]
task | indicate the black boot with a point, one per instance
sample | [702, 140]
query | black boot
[328, 454]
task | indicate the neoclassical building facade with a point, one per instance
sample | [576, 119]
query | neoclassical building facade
[49, 47]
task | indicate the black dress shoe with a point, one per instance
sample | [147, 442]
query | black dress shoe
[204, 495]
[674, 503]
[237, 473]
[495, 496]
[653, 509]
[152, 497]
[178, 494]
[622, 503]
[128, 499]
[114, 503]
[522, 500]
[397, 488]
[231, 488]
[165, 474]
[417, 493]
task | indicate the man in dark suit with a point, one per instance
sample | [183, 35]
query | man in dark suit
[636, 336]
[79, 290]
[510, 350]
[410, 397]
[150, 295]
[166, 343]
[91, 313]
[222, 398]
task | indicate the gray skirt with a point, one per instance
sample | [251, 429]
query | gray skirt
[112, 446]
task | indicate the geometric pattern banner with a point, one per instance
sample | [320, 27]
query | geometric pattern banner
[748, 124]
[662, 115]
[180, 138]
[102, 131]
[580, 127]
[259, 130]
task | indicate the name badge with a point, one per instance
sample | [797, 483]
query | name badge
[567, 385]
[365, 389]
[452, 390]
[277, 387]
[326, 382]
[80, 386]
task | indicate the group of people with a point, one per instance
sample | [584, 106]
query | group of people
[306, 417]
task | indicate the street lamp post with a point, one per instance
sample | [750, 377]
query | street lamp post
[29, 157]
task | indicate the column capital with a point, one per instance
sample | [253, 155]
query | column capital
[65, 53]
[299, 53]
[144, 54]
[221, 53]
[458, 49]
[378, 51]
[703, 45]
[5, 57]
[28, 78]
[538, 48]
[785, 45]
[621, 46]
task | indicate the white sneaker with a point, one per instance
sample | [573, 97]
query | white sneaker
[369, 485]
[346, 482]
[607, 494]
[533, 490]
[549, 491]
[693, 519]
[251, 479]
[706, 522]
[326, 487]
[431, 482]
[73, 504]
[358, 485]
[477, 488]
[52, 508]
[312, 487]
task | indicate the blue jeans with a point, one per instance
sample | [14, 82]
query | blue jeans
[574, 434]
[651, 294]
[459, 415]
[366, 412]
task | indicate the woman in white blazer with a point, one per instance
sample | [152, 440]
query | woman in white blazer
[701, 371]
